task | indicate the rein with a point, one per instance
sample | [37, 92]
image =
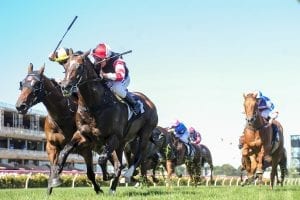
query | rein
[250, 125]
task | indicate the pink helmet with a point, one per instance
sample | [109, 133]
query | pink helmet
[191, 130]
[102, 51]
[175, 123]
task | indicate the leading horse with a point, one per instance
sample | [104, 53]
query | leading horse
[257, 145]
[60, 121]
[111, 122]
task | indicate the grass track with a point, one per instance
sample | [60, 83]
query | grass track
[158, 193]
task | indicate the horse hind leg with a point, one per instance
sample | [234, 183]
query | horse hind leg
[283, 168]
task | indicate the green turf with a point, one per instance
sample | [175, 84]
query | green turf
[159, 193]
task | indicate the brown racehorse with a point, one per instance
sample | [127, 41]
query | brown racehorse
[174, 152]
[109, 121]
[258, 135]
[60, 121]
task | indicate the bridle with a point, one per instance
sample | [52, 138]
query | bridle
[250, 120]
[38, 88]
[78, 80]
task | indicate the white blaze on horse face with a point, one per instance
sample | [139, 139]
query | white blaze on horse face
[72, 68]
[31, 80]
[249, 107]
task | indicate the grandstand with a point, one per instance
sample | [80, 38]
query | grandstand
[22, 141]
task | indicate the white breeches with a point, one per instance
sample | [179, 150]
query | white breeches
[119, 87]
[269, 113]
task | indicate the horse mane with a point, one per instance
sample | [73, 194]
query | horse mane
[54, 82]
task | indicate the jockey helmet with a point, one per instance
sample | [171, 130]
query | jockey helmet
[191, 130]
[62, 54]
[175, 123]
[102, 51]
[258, 94]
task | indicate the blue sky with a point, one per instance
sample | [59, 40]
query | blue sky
[194, 58]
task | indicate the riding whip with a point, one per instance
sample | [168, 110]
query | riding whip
[66, 33]
[117, 55]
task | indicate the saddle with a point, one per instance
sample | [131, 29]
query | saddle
[129, 108]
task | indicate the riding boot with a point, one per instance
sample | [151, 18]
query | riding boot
[190, 153]
[275, 138]
[132, 103]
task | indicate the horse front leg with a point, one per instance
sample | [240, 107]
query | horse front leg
[105, 175]
[75, 141]
[154, 167]
[110, 146]
[169, 168]
[53, 153]
[117, 157]
[139, 155]
[86, 153]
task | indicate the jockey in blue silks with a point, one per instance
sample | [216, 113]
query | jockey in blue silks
[266, 109]
[182, 133]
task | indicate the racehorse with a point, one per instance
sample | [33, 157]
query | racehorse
[206, 158]
[109, 122]
[150, 162]
[258, 135]
[59, 123]
[174, 151]
[249, 164]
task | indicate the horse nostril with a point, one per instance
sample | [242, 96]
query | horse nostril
[21, 107]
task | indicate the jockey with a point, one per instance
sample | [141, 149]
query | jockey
[61, 55]
[195, 136]
[114, 70]
[266, 109]
[182, 133]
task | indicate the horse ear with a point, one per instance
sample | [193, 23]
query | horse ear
[42, 69]
[70, 51]
[86, 53]
[30, 68]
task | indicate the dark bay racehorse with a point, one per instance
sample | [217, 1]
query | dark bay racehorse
[151, 161]
[60, 121]
[207, 158]
[257, 145]
[174, 151]
[110, 122]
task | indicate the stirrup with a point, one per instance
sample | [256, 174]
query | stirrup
[136, 110]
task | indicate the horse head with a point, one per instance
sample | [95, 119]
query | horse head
[32, 89]
[78, 69]
[158, 137]
[251, 108]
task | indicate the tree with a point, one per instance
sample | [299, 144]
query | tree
[227, 170]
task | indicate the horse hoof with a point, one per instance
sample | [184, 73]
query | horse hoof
[112, 192]
[99, 191]
[49, 191]
[137, 185]
[54, 182]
